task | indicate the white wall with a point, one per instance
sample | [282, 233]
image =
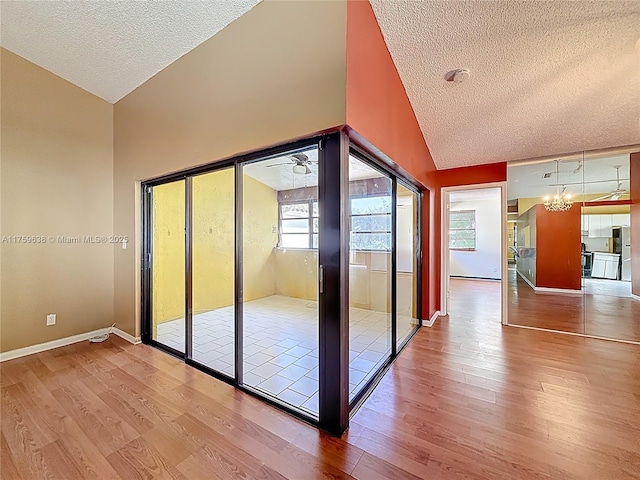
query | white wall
[484, 262]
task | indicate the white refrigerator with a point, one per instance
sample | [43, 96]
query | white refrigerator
[625, 274]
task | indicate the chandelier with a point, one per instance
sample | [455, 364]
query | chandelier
[561, 201]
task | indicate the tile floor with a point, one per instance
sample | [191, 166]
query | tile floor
[281, 346]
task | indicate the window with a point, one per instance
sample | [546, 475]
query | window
[371, 223]
[299, 224]
[462, 230]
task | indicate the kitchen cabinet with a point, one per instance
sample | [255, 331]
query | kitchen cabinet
[600, 225]
[605, 265]
[621, 219]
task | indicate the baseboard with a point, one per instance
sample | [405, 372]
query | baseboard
[432, 320]
[461, 277]
[561, 291]
[583, 335]
[125, 336]
[635, 297]
[63, 342]
[526, 280]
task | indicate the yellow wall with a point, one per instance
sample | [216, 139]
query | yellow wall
[297, 273]
[57, 172]
[213, 244]
[168, 294]
[213, 240]
[256, 83]
[260, 236]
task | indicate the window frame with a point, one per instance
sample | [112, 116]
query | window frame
[309, 218]
[474, 229]
[371, 232]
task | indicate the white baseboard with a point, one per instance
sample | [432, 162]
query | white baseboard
[62, 342]
[432, 320]
[125, 336]
[635, 297]
[562, 291]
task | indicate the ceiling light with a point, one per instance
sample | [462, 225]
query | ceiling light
[301, 169]
[560, 202]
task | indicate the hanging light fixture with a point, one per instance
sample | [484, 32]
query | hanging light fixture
[561, 201]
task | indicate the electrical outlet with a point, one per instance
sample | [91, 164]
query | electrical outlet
[274, 229]
[51, 319]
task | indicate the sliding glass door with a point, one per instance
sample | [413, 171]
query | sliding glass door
[167, 277]
[213, 270]
[280, 278]
[407, 263]
[292, 273]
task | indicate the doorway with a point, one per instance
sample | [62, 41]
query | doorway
[474, 251]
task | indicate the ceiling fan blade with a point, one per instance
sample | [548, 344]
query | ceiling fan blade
[278, 164]
[604, 197]
[300, 157]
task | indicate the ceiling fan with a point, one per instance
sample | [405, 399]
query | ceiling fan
[300, 162]
[617, 192]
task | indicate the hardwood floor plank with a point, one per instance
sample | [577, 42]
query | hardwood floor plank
[140, 460]
[468, 399]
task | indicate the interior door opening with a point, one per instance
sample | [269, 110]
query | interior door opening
[474, 253]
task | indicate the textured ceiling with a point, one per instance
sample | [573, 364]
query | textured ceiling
[597, 174]
[110, 48]
[546, 77]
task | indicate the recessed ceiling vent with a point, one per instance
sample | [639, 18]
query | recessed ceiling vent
[547, 175]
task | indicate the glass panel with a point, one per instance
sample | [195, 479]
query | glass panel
[295, 210]
[547, 245]
[406, 264]
[299, 225]
[295, 240]
[213, 271]
[371, 223]
[280, 286]
[609, 309]
[168, 272]
[369, 276]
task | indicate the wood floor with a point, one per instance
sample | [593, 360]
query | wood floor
[601, 312]
[468, 399]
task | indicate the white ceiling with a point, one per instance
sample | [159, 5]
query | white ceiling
[476, 195]
[546, 77]
[277, 172]
[598, 175]
[111, 47]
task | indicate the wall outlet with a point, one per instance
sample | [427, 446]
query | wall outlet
[51, 319]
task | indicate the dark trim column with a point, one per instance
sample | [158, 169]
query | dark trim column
[333, 276]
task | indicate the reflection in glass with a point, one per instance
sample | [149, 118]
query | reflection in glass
[168, 272]
[370, 276]
[213, 271]
[587, 293]
[406, 264]
[280, 280]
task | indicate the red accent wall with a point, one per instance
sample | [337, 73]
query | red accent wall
[558, 249]
[635, 222]
[379, 110]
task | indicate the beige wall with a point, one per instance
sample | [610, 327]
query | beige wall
[57, 170]
[274, 74]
